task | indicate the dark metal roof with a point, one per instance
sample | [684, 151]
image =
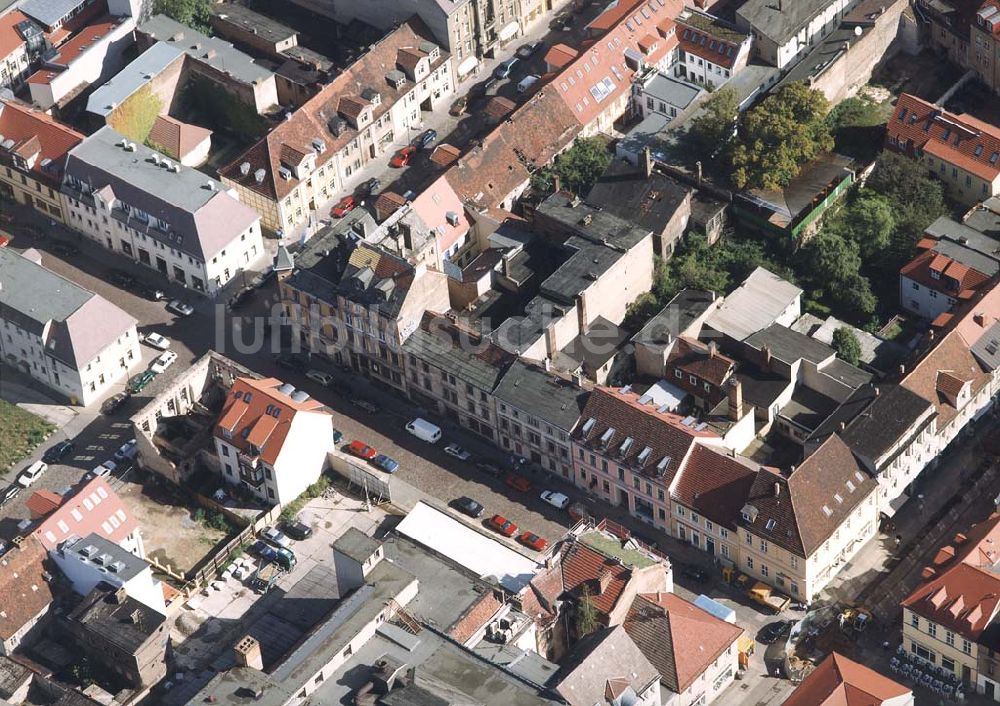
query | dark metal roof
[626, 192]
[544, 395]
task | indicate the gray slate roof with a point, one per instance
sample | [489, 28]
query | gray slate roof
[49, 12]
[482, 365]
[675, 318]
[356, 544]
[83, 323]
[249, 21]
[203, 220]
[107, 553]
[973, 233]
[649, 203]
[546, 396]
[987, 348]
[218, 54]
[788, 345]
[754, 305]
[602, 656]
[885, 421]
[673, 92]
[128, 624]
[782, 24]
[130, 79]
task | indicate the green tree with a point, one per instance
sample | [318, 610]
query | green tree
[856, 124]
[135, 117]
[196, 14]
[869, 221]
[847, 346]
[577, 168]
[640, 311]
[780, 135]
[917, 200]
[587, 620]
[856, 296]
[830, 258]
[712, 130]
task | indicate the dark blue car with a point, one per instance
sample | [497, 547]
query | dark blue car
[387, 464]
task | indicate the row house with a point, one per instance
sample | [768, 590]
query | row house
[967, 33]
[137, 203]
[24, 583]
[33, 156]
[355, 303]
[798, 528]
[21, 43]
[784, 35]
[950, 619]
[537, 411]
[454, 371]
[942, 273]
[364, 113]
[711, 51]
[838, 680]
[272, 439]
[71, 340]
[961, 150]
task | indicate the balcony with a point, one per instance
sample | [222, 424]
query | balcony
[249, 460]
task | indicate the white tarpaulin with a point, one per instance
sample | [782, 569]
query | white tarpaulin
[483, 555]
[467, 64]
[508, 31]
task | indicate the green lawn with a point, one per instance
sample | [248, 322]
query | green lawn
[20, 432]
[613, 547]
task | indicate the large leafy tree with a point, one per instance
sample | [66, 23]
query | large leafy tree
[712, 129]
[780, 135]
[847, 346]
[869, 220]
[196, 14]
[577, 168]
[917, 199]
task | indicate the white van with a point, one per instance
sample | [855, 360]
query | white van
[422, 429]
[32, 473]
[525, 84]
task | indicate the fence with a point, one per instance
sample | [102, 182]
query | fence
[212, 566]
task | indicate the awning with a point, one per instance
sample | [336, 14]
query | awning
[508, 31]
[467, 64]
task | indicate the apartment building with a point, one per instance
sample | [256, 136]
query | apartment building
[537, 411]
[453, 371]
[94, 508]
[798, 528]
[21, 42]
[27, 593]
[71, 340]
[272, 439]
[838, 680]
[363, 114]
[967, 32]
[139, 204]
[32, 156]
[950, 619]
[356, 303]
[963, 151]
[467, 29]
[783, 32]
[607, 662]
[627, 452]
[711, 50]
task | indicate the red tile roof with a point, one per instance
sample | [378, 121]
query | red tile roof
[175, 138]
[475, 617]
[838, 681]
[24, 592]
[800, 511]
[559, 55]
[94, 509]
[714, 484]
[612, 15]
[42, 502]
[963, 599]
[677, 637]
[312, 119]
[955, 280]
[693, 357]
[584, 568]
[84, 40]
[10, 40]
[53, 140]
[662, 432]
[918, 126]
[704, 36]
[248, 416]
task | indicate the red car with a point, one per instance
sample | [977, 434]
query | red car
[403, 157]
[345, 206]
[502, 525]
[518, 482]
[532, 541]
[361, 450]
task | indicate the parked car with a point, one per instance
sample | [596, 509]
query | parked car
[121, 279]
[298, 530]
[241, 298]
[491, 87]
[518, 482]
[290, 362]
[180, 308]
[367, 405]
[532, 541]
[386, 463]
[369, 187]
[343, 207]
[105, 469]
[526, 83]
[324, 379]
[12, 492]
[361, 450]
[157, 341]
[139, 382]
[459, 106]
[458, 452]
[32, 473]
[488, 469]
[505, 67]
[555, 499]
[772, 632]
[151, 292]
[403, 157]
[468, 506]
[562, 23]
[501, 524]
[163, 361]
[338, 437]
[127, 451]
[4, 547]
[692, 572]
[114, 403]
[58, 452]
[65, 249]
[424, 430]
[526, 51]
[278, 555]
[426, 139]
[276, 537]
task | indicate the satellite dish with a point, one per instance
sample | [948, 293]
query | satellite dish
[858, 31]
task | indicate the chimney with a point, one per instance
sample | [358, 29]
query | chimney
[550, 343]
[121, 595]
[556, 183]
[603, 581]
[647, 162]
[979, 318]
[713, 349]
[581, 310]
[735, 395]
[547, 363]
[766, 353]
[247, 653]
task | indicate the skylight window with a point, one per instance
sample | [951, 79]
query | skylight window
[602, 89]
[993, 157]
[979, 150]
